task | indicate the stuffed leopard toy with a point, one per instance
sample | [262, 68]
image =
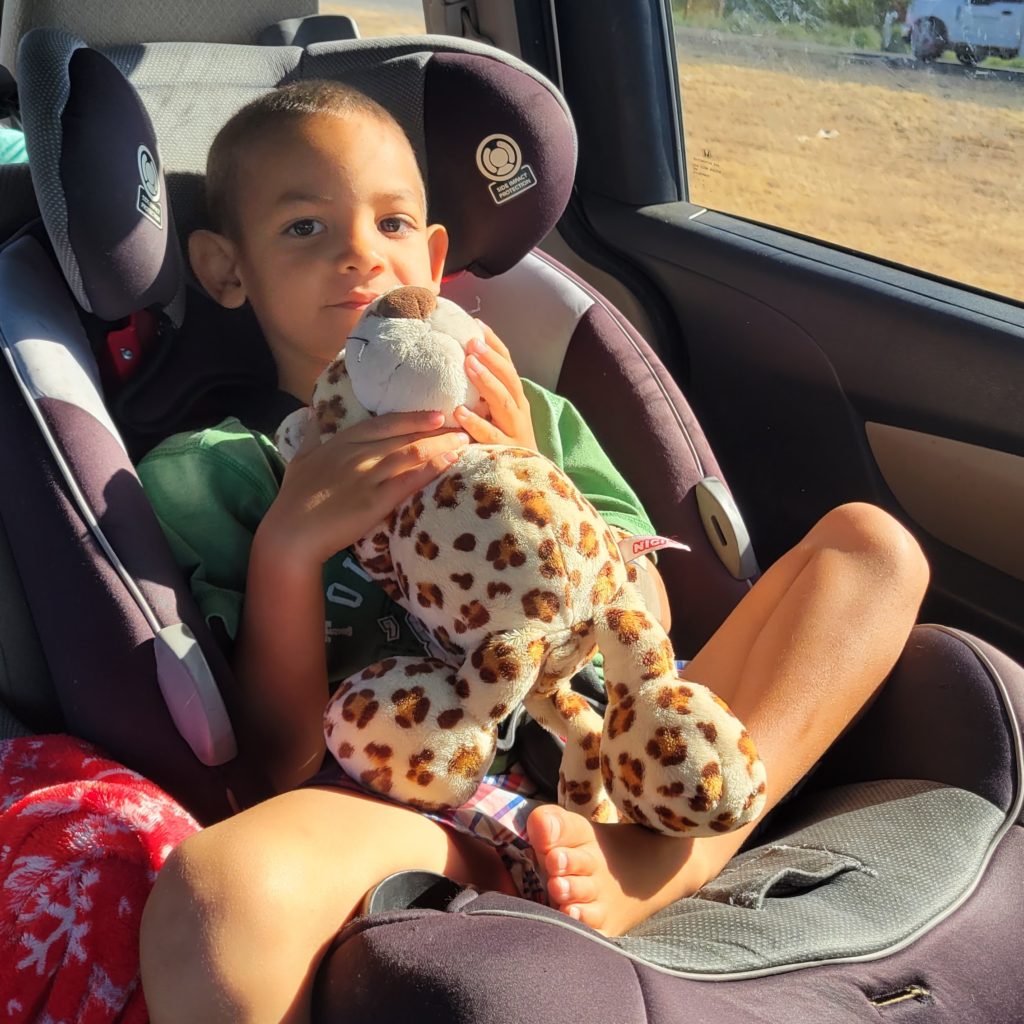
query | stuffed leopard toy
[519, 580]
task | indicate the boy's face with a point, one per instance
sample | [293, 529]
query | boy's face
[331, 214]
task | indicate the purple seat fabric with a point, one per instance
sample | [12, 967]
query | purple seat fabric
[499, 958]
[97, 638]
[428, 968]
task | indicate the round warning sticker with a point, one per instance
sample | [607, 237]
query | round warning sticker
[148, 200]
[148, 173]
[498, 157]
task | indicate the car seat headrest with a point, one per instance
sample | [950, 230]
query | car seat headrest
[96, 169]
[500, 155]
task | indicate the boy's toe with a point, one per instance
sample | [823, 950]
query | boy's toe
[544, 828]
[552, 826]
[572, 890]
[570, 860]
[595, 914]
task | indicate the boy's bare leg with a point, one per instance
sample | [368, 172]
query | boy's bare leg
[797, 659]
[243, 911]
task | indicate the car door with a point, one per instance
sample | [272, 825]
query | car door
[993, 24]
[822, 245]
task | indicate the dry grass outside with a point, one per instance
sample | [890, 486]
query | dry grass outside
[377, 22]
[929, 180]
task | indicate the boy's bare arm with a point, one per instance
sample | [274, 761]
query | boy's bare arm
[280, 659]
[330, 496]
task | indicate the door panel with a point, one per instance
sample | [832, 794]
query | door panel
[970, 497]
[792, 349]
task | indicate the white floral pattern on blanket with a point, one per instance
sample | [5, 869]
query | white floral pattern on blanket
[81, 841]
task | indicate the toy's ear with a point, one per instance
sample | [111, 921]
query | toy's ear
[288, 436]
[335, 405]
[334, 408]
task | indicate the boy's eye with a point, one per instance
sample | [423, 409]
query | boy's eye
[304, 228]
[394, 226]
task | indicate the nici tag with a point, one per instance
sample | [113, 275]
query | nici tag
[633, 547]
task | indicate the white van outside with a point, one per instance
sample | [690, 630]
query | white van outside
[972, 29]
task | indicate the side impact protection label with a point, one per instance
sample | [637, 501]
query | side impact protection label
[148, 203]
[499, 158]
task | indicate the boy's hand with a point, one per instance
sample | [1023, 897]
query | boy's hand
[490, 368]
[333, 493]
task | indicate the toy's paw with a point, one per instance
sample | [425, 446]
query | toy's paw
[686, 766]
[288, 436]
[398, 728]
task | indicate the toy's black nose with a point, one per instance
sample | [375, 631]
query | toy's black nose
[408, 303]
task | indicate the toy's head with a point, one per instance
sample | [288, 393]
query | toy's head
[408, 353]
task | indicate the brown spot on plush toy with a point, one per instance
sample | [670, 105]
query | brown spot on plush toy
[519, 579]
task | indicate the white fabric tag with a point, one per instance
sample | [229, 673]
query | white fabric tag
[633, 547]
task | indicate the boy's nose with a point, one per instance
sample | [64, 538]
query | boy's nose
[359, 252]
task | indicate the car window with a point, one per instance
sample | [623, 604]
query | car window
[893, 131]
[381, 17]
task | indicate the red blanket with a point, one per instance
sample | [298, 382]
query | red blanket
[81, 841]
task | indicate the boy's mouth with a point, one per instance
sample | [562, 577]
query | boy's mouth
[355, 300]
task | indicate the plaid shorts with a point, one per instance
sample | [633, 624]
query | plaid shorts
[495, 814]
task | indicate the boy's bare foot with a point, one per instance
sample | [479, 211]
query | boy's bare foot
[611, 877]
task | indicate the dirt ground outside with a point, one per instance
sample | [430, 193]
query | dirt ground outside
[922, 170]
[382, 17]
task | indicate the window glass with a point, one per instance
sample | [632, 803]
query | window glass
[381, 17]
[864, 123]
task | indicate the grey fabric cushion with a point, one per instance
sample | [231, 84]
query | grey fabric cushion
[190, 90]
[439, 968]
[893, 859]
[108, 22]
[45, 88]
[903, 854]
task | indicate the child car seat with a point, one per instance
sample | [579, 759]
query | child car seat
[907, 840]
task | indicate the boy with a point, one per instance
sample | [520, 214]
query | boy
[319, 207]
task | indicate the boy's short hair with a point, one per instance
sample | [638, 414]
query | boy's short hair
[270, 111]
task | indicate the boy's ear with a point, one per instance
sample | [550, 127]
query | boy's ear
[437, 247]
[214, 261]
